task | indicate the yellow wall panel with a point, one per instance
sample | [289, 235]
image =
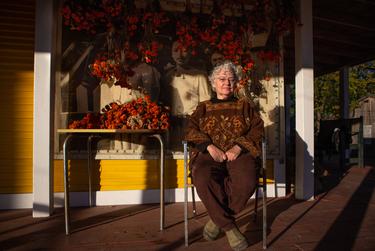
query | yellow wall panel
[15, 189]
[109, 175]
[112, 175]
[58, 178]
[16, 90]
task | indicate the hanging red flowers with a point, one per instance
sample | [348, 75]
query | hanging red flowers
[270, 56]
[86, 15]
[149, 51]
[230, 46]
[106, 68]
[155, 20]
[187, 32]
[230, 30]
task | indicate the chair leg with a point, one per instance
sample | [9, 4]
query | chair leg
[193, 200]
[186, 229]
[256, 204]
[264, 199]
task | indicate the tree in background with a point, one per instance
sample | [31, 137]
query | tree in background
[327, 99]
[326, 90]
[361, 82]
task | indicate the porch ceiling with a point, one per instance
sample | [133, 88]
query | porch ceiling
[344, 33]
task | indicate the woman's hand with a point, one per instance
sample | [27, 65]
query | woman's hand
[233, 153]
[217, 154]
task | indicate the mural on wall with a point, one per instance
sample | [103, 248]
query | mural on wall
[119, 52]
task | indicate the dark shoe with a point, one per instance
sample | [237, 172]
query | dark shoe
[236, 239]
[211, 231]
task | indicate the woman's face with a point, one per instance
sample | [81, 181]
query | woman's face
[224, 82]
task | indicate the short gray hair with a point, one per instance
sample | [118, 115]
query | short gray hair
[226, 65]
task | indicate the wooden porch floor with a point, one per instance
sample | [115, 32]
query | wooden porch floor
[342, 218]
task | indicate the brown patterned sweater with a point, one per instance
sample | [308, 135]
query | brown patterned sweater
[225, 124]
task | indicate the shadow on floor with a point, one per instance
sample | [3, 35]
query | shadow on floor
[344, 231]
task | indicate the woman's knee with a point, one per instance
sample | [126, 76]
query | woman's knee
[200, 174]
[243, 190]
[238, 201]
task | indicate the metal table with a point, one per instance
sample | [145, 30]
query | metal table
[92, 133]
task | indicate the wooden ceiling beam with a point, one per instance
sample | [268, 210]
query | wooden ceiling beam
[350, 42]
[366, 2]
[331, 59]
[325, 66]
[324, 70]
[341, 23]
[336, 50]
[338, 60]
[342, 33]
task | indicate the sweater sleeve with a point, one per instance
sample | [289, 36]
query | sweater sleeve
[251, 140]
[193, 134]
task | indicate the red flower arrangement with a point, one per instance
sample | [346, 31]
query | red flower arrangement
[89, 121]
[78, 18]
[132, 22]
[85, 15]
[211, 34]
[149, 51]
[106, 68]
[247, 68]
[270, 56]
[187, 32]
[154, 20]
[230, 46]
[137, 114]
[112, 69]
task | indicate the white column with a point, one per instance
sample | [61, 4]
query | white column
[304, 185]
[43, 109]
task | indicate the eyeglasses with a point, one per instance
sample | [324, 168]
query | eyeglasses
[232, 81]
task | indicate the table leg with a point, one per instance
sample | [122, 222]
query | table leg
[89, 164]
[186, 193]
[89, 161]
[66, 184]
[162, 158]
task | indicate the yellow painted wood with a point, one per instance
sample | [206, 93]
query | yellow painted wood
[24, 130]
[16, 189]
[26, 107]
[113, 175]
[16, 90]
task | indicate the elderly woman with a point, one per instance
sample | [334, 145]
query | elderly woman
[225, 133]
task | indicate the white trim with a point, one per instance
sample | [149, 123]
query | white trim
[16, 201]
[110, 198]
[279, 174]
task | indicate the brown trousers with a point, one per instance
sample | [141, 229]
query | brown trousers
[224, 188]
